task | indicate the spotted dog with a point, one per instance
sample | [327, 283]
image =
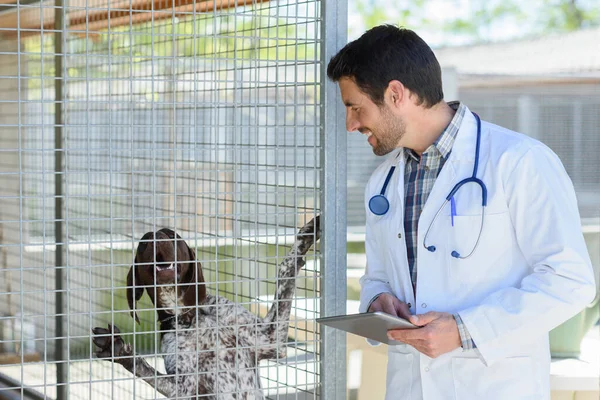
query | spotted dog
[211, 346]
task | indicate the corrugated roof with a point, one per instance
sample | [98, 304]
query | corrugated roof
[91, 16]
[566, 54]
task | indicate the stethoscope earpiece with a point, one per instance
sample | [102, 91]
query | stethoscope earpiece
[455, 254]
[431, 248]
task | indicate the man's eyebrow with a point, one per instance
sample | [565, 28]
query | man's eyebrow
[349, 104]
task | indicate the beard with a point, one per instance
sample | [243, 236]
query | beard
[388, 133]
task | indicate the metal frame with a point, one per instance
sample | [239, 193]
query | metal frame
[333, 133]
[62, 368]
[330, 200]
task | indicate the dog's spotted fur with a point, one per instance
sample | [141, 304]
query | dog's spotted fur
[211, 349]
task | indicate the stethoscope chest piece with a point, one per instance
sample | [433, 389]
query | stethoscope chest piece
[379, 205]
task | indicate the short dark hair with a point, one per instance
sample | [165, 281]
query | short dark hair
[385, 53]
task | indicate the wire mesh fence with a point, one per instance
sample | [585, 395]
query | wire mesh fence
[121, 118]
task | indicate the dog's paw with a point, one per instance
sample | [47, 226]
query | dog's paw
[311, 229]
[110, 343]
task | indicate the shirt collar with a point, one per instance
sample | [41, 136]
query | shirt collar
[443, 144]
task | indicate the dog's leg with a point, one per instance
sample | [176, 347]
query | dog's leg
[112, 347]
[278, 318]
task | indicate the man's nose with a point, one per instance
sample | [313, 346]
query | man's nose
[351, 123]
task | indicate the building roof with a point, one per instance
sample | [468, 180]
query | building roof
[34, 17]
[563, 54]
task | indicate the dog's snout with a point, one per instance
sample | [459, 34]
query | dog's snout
[164, 266]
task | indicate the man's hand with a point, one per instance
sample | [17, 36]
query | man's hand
[438, 334]
[390, 304]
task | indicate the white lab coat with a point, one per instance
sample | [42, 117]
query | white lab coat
[530, 272]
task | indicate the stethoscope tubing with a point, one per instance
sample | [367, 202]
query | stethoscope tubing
[454, 253]
[379, 204]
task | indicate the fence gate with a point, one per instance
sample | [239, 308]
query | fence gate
[119, 118]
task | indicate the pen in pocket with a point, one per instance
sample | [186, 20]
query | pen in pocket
[452, 209]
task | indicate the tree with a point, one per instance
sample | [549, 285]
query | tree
[474, 25]
[483, 19]
[478, 21]
[569, 15]
[409, 14]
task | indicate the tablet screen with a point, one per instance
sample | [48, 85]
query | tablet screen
[369, 325]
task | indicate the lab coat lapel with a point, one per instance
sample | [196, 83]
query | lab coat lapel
[400, 163]
[458, 167]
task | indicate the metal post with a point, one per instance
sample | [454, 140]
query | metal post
[333, 192]
[577, 172]
[527, 115]
[59, 353]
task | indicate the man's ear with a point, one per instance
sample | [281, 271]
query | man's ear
[195, 290]
[395, 93]
[133, 293]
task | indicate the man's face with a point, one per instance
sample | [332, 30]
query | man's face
[383, 129]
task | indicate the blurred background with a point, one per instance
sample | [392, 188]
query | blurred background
[533, 67]
[212, 118]
[530, 66]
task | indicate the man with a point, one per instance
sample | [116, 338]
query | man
[486, 271]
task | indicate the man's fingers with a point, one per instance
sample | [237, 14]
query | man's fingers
[387, 304]
[437, 334]
[389, 309]
[393, 306]
[424, 319]
[402, 310]
[417, 338]
[407, 335]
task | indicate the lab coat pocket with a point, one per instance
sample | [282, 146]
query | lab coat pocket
[464, 234]
[489, 248]
[399, 375]
[510, 378]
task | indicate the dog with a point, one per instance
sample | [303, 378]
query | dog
[211, 346]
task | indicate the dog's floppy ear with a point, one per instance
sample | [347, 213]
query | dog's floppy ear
[133, 293]
[194, 293]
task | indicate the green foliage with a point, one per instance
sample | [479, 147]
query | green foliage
[409, 14]
[144, 334]
[484, 14]
[371, 13]
[253, 34]
[39, 58]
[353, 291]
[355, 247]
[569, 15]
[230, 35]
[538, 17]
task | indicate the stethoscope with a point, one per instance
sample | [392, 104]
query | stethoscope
[379, 204]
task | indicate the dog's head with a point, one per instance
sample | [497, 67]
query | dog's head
[162, 259]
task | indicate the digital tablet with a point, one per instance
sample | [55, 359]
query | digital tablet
[373, 325]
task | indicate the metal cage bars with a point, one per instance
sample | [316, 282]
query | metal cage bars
[332, 23]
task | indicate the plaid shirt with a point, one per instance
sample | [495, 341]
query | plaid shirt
[419, 176]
